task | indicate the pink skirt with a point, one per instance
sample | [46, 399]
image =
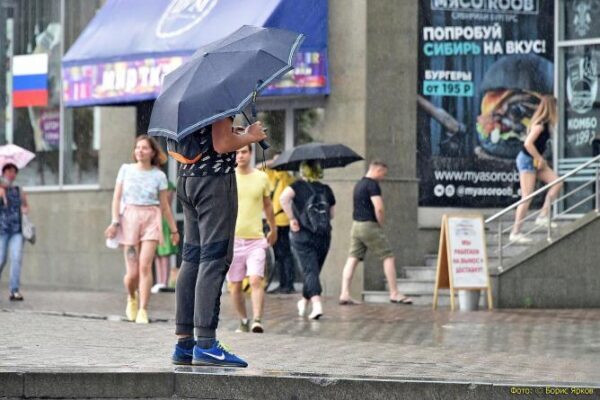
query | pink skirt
[140, 223]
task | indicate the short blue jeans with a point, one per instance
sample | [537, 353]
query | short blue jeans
[13, 244]
[525, 163]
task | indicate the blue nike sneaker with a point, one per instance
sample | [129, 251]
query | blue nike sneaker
[217, 356]
[182, 356]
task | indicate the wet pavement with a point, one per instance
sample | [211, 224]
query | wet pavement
[83, 331]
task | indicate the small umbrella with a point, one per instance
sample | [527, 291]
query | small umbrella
[13, 154]
[330, 156]
[221, 79]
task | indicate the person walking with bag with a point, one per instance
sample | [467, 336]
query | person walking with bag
[13, 207]
[310, 205]
[532, 165]
[141, 188]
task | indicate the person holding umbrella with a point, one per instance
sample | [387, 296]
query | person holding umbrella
[13, 206]
[310, 205]
[195, 111]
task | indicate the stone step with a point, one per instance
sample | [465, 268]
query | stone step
[431, 259]
[415, 286]
[424, 299]
[421, 272]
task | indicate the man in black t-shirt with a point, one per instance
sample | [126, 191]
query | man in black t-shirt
[367, 233]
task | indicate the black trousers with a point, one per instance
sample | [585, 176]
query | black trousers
[310, 251]
[284, 260]
[209, 211]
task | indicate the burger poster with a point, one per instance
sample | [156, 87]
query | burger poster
[483, 65]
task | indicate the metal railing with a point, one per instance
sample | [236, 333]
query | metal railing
[588, 174]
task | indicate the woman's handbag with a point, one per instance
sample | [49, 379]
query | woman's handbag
[28, 229]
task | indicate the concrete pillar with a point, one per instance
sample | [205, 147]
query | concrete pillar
[391, 86]
[345, 122]
[117, 135]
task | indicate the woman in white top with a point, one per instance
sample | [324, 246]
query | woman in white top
[139, 199]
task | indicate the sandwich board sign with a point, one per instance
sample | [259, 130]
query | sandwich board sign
[462, 257]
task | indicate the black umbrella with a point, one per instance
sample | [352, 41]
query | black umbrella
[221, 79]
[329, 155]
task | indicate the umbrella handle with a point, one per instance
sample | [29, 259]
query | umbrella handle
[263, 143]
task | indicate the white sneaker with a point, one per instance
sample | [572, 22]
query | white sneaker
[519, 238]
[543, 222]
[317, 310]
[156, 288]
[301, 307]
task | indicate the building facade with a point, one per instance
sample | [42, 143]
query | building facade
[397, 91]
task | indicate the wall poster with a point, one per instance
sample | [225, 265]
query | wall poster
[483, 65]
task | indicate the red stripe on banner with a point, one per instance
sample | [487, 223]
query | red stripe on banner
[30, 98]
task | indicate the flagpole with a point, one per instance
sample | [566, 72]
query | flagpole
[61, 142]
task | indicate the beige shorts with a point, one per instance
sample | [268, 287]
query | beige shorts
[140, 223]
[369, 235]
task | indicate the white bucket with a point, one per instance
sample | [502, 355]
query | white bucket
[468, 300]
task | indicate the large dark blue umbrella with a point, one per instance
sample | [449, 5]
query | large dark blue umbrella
[221, 79]
[328, 155]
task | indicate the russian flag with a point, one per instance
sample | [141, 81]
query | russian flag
[30, 80]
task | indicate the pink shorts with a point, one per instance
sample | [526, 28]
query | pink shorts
[140, 223]
[248, 259]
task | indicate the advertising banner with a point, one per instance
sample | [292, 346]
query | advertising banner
[130, 81]
[483, 65]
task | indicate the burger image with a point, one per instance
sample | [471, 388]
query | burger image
[511, 89]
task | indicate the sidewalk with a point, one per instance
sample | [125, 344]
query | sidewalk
[73, 344]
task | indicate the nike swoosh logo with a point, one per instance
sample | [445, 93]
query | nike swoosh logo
[220, 358]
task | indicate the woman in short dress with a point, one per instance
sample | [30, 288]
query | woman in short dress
[140, 200]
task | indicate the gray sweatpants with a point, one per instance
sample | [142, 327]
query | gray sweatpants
[210, 211]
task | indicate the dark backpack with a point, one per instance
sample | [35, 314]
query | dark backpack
[316, 214]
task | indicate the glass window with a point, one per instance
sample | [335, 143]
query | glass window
[34, 27]
[274, 122]
[309, 125]
[81, 139]
[581, 111]
[580, 19]
[580, 117]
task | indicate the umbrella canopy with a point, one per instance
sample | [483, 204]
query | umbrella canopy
[13, 154]
[330, 156]
[221, 79]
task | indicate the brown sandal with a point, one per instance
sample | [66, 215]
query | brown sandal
[404, 300]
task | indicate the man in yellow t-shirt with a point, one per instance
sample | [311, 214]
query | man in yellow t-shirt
[249, 249]
[284, 261]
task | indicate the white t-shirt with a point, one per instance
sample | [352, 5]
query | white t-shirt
[141, 188]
